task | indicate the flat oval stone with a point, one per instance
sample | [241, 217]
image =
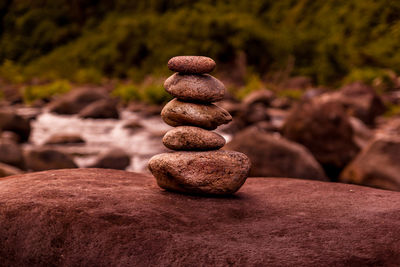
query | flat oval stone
[207, 116]
[191, 64]
[195, 87]
[192, 138]
[212, 172]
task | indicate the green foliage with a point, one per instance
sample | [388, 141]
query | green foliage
[34, 92]
[151, 93]
[11, 72]
[369, 76]
[392, 110]
[253, 83]
[290, 93]
[82, 40]
[89, 75]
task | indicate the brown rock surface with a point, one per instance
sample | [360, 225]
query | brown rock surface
[192, 138]
[76, 100]
[92, 217]
[10, 153]
[191, 64]
[39, 159]
[275, 156]
[101, 109]
[196, 88]
[377, 165]
[207, 116]
[324, 128]
[115, 158]
[64, 139]
[210, 172]
[9, 121]
[7, 170]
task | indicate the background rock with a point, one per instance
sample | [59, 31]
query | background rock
[70, 217]
[101, 109]
[377, 165]
[39, 159]
[76, 100]
[62, 139]
[274, 156]
[10, 121]
[324, 128]
[114, 158]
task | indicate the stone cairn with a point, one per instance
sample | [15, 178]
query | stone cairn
[197, 166]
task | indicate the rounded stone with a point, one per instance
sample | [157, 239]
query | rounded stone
[192, 138]
[195, 87]
[207, 116]
[191, 64]
[211, 172]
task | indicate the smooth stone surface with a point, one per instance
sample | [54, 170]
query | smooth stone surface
[191, 64]
[211, 172]
[70, 217]
[207, 116]
[192, 138]
[192, 87]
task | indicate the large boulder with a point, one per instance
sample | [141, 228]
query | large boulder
[93, 217]
[274, 156]
[377, 165]
[10, 121]
[39, 159]
[359, 100]
[324, 128]
[102, 109]
[76, 100]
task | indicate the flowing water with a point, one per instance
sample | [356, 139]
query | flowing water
[103, 134]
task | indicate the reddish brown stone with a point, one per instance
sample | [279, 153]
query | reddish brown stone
[197, 88]
[92, 217]
[192, 138]
[191, 64]
[210, 172]
[207, 116]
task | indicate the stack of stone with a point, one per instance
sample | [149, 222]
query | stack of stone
[197, 166]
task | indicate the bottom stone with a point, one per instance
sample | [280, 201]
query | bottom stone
[210, 172]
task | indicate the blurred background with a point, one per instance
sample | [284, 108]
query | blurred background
[313, 86]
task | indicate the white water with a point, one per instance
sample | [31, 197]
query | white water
[103, 134]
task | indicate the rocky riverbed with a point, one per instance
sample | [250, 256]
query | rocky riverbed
[341, 136]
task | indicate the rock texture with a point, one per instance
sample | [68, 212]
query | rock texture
[208, 116]
[191, 64]
[195, 88]
[275, 156]
[115, 158]
[192, 138]
[76, 100]
[93, 217]
[64, 139]
[377, 165]
[101, 109]
[40, 159]
[210, 172]
[9, 121]
[324, 128]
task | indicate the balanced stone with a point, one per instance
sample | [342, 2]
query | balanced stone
[192, 138]
[191, 64]
[195, 87]
[210, 172]
[207, 116]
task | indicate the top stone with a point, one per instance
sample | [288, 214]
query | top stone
[191, 64]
